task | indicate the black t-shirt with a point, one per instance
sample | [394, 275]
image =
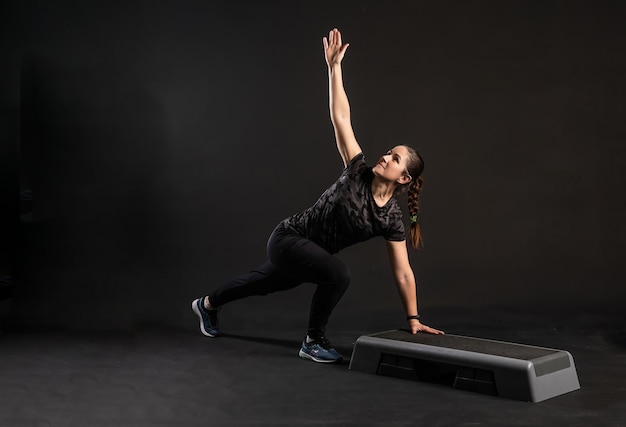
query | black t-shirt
[346, 212]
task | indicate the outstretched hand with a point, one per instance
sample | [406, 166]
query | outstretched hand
[416, 327]
[333, 49]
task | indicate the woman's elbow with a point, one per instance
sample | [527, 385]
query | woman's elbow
[405, 279]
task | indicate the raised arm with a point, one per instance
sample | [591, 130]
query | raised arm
[405, 280]
[334, 51]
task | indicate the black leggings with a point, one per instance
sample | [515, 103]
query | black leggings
[293, 260]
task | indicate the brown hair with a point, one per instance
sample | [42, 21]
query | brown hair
[415, 167]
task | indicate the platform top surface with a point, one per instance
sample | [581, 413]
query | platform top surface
[476, 345]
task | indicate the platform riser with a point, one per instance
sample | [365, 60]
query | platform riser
[526, 380]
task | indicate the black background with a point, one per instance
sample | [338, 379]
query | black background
[162, 142]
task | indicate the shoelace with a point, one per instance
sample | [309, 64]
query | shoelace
[324, 343]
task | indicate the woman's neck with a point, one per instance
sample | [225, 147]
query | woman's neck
[382, 191]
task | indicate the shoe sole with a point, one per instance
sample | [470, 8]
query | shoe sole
[304, 355]
[194, 307]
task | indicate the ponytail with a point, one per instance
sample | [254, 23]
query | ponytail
[415, 187]
[415, 168]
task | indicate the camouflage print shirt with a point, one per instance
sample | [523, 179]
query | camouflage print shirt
[346, 212]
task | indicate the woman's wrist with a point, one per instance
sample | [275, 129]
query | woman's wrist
[334, 66]
[414, 317]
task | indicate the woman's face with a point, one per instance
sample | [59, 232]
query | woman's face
[392, 166]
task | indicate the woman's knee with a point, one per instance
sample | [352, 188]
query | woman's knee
[342, 276]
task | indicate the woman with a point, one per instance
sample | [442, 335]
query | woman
[357, 207]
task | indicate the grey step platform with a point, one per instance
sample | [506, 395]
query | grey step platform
[497, 368]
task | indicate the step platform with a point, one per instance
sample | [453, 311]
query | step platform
[514, 371]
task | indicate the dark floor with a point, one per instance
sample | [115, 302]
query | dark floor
[154, 376]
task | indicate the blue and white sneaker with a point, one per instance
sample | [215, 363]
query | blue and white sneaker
[319, 350]
[209, 325]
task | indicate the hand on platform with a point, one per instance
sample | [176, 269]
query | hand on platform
[416, 327]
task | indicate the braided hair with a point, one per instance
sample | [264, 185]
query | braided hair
[415, 167]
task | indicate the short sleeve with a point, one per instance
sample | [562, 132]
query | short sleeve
[395, 231]
[356, 164]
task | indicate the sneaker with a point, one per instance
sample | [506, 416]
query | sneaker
[319, 350]
[208, 318]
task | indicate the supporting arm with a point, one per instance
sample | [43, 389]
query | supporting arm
[405, 281]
